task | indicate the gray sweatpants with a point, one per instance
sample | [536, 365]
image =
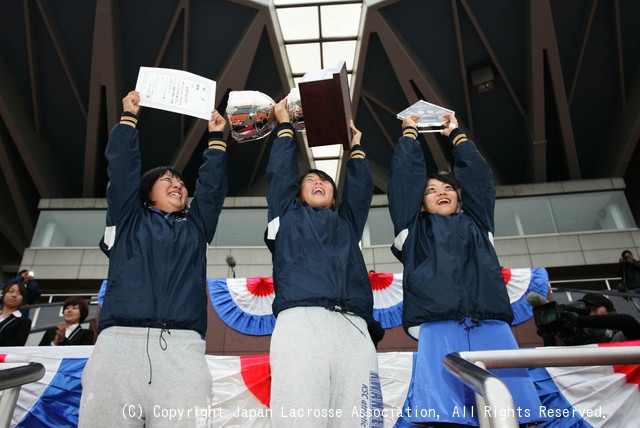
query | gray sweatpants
[130, 380]
[324, 371]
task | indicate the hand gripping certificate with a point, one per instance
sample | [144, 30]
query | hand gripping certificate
[177, 91]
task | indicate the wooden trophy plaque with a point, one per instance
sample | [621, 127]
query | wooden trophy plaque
[326, 103]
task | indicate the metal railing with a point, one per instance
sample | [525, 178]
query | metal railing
[11, 380]
[608, 285]
[470, 368]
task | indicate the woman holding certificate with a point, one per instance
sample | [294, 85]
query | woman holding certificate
[150, 353]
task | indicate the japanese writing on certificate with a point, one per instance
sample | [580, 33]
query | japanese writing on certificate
[176, 91]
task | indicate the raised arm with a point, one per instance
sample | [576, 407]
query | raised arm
[474, 177]
[212, 184]
[408, 177]
[282, 168]
[123, 155]
[358, 187]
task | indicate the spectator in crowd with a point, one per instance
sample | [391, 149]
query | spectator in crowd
[14, 327]
[33, 289]
[600, 324]
[70, 332]
[629, 271]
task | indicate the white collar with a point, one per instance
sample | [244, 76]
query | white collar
[15, 313]
[70, 330]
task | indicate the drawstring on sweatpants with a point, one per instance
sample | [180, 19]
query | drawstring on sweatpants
[468, 328]
[344, 313]
[161, 341]
[475, 322]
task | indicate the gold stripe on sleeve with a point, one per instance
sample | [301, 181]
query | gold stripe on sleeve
[357, 154]
[286, 132]
[128, 120]
[410, 131]
[460, 138]
[218, 145]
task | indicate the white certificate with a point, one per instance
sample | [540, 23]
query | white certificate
[177, 91]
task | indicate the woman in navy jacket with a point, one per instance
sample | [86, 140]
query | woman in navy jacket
[150, 353]
[323, 360]
[454, 296]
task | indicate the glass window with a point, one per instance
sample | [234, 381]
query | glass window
[334, 52]
[317, 21]
[328, 166]
[379, 229]
[562, 214]
[591, 211]
[328, 151]
[329, 33]
[296, 2]
[299, 23]
[304, 57]
[523, 216]
[539, 215]
[69, 228]
[241, 227]
[340, 20]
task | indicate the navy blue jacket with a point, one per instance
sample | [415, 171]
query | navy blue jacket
[316, 257]
[451, 270]
[157, 263]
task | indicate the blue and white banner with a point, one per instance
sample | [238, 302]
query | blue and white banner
[521, 282]
[594, 396]
[244, 304]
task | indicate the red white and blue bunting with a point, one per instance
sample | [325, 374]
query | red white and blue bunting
[594, 396]
[244, 304]
[387, 298]
[519, 283]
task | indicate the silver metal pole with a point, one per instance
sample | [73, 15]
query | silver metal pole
[556, 356]
[11, 380]
[7, 405]
[469, 367]
[495, 393]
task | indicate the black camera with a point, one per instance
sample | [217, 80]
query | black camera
[549, 314]
[575, 326]
[553, 319]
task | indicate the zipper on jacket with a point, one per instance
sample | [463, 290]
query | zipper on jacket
[462, 276]
[165, 250]
[341, 283]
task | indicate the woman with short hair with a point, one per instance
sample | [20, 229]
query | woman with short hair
[70, 331]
